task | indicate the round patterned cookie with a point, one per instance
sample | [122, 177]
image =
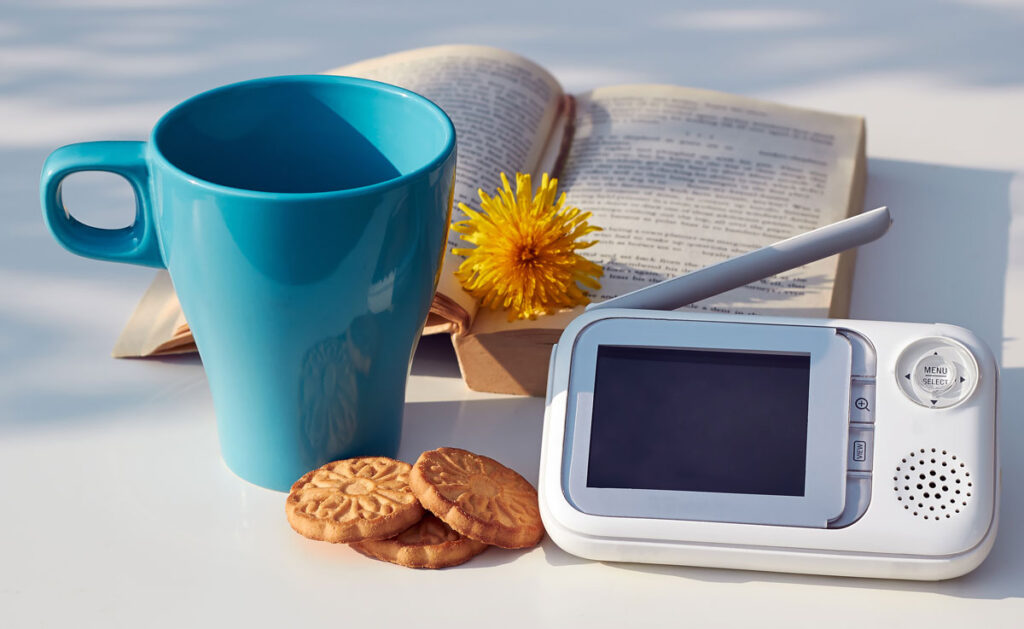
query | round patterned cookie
[430, 543]
[353, 500]
[478, 497]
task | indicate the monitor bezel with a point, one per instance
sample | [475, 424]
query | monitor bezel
[827, 433]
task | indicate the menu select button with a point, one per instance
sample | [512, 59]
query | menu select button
[935, 374]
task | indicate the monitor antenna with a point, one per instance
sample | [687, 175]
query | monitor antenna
[750, 267]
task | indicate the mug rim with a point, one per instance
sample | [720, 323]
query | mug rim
[442, 155]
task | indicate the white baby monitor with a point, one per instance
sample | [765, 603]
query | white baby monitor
[828, 446]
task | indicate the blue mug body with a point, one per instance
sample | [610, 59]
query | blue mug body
[303, 222]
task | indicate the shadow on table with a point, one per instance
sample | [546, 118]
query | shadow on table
[435, 357]
[945, 258]
[740, 46]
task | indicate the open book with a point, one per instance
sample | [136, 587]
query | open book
[679, 178]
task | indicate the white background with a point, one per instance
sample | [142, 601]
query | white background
[115, 509]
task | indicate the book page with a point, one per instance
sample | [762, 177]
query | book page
[503, 107]
[159, 324]
[682, 178]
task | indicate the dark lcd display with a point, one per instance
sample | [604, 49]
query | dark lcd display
[697, 420]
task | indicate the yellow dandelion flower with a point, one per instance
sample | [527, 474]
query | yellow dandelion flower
[525, 259]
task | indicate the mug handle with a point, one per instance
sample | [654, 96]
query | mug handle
[136, 243]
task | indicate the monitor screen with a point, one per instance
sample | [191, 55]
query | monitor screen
[699, 420]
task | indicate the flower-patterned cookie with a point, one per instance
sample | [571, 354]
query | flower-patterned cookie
[430, 543]
[478, 497]
[353, 500]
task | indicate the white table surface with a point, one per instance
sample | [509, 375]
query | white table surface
[116, 509]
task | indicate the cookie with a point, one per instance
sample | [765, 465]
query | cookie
[478, 497]
[353, 500]
[430, 543]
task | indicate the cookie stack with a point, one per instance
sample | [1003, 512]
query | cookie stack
[441, 511]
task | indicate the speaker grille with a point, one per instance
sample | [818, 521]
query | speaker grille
[932, 484]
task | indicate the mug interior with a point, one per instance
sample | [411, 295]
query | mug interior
[303, 134]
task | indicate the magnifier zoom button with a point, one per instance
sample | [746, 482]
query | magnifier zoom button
[862, 402]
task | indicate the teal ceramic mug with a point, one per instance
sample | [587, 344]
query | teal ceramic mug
[303, 221]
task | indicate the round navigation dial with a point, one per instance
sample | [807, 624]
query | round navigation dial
[937, 372]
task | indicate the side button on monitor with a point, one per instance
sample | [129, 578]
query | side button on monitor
[861, 449]
[858, 497]
[863, 355]
[862, 402]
